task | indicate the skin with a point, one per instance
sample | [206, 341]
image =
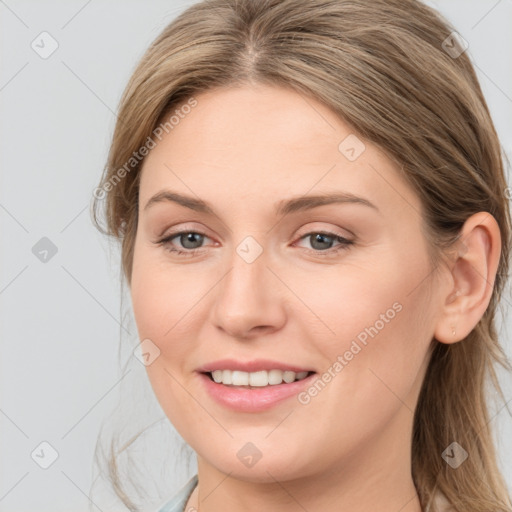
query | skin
[243, 150]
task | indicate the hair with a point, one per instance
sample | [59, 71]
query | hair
[383, 68]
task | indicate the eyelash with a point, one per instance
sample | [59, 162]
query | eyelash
[344, 243]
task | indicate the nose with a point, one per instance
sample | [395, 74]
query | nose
[249, 300]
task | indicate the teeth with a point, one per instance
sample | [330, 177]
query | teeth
[256, 379]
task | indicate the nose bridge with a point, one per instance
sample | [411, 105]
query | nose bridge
[248, 295]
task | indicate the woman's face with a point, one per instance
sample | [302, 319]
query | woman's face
[356, 305]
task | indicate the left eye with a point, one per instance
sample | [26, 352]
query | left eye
[320, 238]
[191, 242]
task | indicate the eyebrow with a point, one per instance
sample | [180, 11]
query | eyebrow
[283, 207]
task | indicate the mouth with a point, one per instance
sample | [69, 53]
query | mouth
[255, 391]
[257, 379]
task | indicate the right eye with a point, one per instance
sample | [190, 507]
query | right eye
[185, 238]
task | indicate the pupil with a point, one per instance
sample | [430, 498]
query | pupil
[189, 237]
[320, 237]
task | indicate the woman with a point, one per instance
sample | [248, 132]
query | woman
[315, 231]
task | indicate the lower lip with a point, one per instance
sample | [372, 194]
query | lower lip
[253, 399]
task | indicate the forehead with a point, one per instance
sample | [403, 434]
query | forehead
[267, 142]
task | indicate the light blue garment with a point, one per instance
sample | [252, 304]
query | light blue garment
[178, 502]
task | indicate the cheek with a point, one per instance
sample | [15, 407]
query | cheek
[163, 315]
[382, 323]
[159, 294]
[373, 371]
[163, 310]
[353, 302]
[168, 303]
[154, 299]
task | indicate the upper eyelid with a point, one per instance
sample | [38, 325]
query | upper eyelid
[331, 231]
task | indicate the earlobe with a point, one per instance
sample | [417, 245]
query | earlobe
[473, 271]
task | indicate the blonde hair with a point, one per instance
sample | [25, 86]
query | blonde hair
[382, 66]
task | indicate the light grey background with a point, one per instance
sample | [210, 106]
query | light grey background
[59, 370]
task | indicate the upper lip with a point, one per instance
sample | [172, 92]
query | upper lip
[250, 366]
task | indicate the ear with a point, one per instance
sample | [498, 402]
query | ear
[473, 271]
